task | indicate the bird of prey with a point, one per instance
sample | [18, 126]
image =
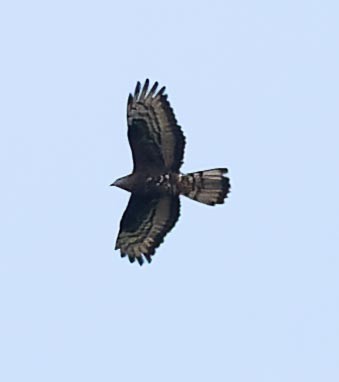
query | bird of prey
[157, 145]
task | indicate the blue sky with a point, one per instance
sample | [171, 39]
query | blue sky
[247, 291]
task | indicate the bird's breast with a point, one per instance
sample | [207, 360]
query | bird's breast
[164, 183]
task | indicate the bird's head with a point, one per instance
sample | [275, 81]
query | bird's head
[122, 183]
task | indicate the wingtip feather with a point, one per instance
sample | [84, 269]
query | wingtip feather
[153, 89]
[140, 260]
[148, 257]
[161, 91]
[144, 89]
[137, 90]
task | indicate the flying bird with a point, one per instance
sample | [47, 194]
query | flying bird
[157, 143]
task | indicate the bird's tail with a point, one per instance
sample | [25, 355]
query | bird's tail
[208, 187]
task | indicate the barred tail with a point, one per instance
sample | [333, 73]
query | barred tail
[208, 187]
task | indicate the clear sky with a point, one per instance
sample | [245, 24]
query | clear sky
[247, 291]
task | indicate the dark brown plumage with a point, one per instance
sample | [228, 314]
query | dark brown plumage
[157, 145]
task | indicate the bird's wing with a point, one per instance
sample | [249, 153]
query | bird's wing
[144, 225]
[156, 140]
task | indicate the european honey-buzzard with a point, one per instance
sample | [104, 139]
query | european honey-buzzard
[157, 145]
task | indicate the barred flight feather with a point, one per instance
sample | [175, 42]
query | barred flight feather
[144, 225]
[152, 126]
[208, 187]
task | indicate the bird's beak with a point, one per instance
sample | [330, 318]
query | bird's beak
[116, 183]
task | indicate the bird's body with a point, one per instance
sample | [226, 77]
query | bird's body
[156, 182]
[210, 182]
[150, 183]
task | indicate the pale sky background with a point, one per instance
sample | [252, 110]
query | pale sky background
[247, 291]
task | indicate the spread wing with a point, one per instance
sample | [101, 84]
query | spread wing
[156, 139]
[144, 225]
